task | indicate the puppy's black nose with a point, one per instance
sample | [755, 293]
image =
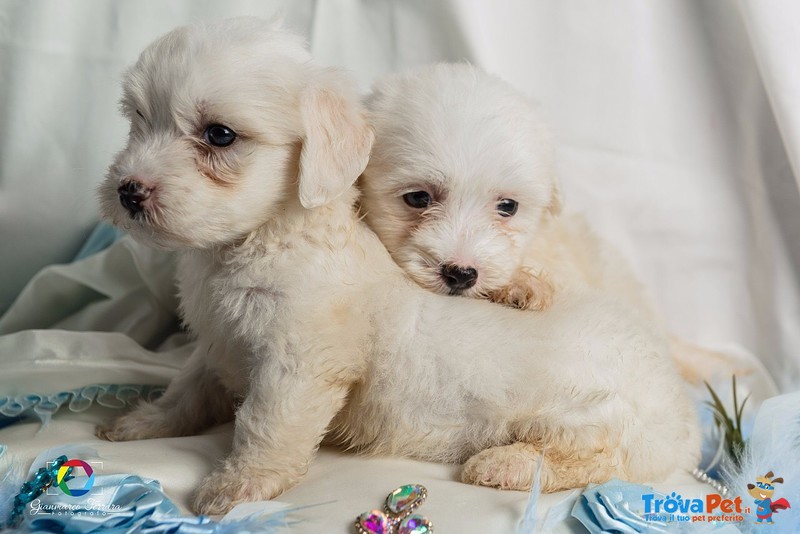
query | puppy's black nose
[131, 196]
[458, 278]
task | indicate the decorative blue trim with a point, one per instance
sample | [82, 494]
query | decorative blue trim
[44, 405]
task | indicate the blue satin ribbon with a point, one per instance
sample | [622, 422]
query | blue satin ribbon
[607, 508]
[128, 503]
[119, 503]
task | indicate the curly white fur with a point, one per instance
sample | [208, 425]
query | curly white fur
[306, 326]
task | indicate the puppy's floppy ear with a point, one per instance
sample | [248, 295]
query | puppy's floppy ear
[554, 207]
[338, 138]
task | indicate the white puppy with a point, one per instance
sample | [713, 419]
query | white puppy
[462, 189]
[242, 153]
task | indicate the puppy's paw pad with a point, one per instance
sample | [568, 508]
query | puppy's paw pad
[121, 430]
[526, 291]
[116, 432]
[223, 490]
[509, 468]
[211, 500]
[145, 422]
[106, 432]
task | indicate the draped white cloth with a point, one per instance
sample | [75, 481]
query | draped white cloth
[679, 131]
[678, 124]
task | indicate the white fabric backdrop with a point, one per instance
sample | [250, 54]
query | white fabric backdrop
[679, 127]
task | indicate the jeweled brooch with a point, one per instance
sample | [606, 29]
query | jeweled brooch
[397, 516]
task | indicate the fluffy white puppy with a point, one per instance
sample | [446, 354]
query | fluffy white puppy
[462, 189]
[242, 153]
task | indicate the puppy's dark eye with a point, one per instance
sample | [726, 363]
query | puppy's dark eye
[507, 207]
[219, 135]
[418, 199]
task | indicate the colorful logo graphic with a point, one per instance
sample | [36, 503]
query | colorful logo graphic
[675, 508]
[64, 475]
[762, 492]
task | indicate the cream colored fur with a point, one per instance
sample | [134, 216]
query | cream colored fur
[307, 327]
[469, 139]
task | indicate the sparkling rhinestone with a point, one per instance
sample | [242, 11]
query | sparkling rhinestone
[41, 478]
[415, 524]
[405, 498]
[373, 522]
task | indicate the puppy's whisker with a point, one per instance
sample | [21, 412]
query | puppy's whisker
[361, 214]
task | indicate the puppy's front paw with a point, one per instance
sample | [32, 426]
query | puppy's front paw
[231, 485]
[526, 291]
[146, 421]
[510, 467]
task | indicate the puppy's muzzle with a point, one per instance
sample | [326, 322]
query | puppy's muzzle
[132, 195]
[458, 278]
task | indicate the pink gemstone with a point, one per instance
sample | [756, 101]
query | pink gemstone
[374, 522]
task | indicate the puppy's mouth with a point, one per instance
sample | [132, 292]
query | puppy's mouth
[431, 274]
[143, 219]
[139, 216]
[472, 292]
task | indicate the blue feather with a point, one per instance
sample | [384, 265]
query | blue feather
[560, 512]
[254, 523]
[527, 524]
[773, 446]
[11, 478]
[72, 450]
